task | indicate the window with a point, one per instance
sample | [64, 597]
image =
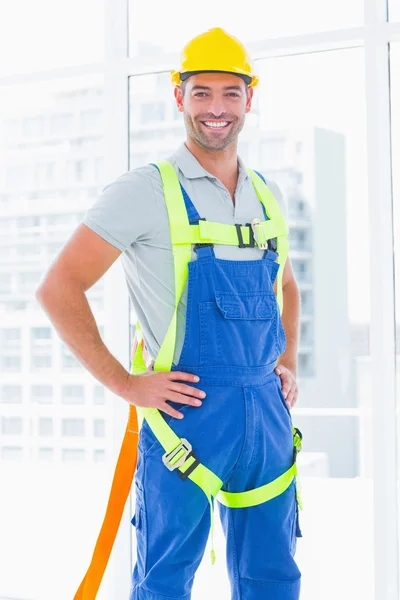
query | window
[5, 283]
[272, 153]
[73, 427]
[28, 282]
[72, 454]
[99, 428]
[11, 394]
[61, 124]
[42, 394]
[45, 426]
[98, 394]
[69, 362]
[78, 171]
[33, 127]
[73, 394]
[12, 453]
[61, 219]
[91, 120]
[11, 426]
[99, 456]
[41, 333]
[152, 112]
[28, 222]
[11, 363]
[10, 337]
[28, 250]
[46, 454]
[44, 173]
[41, 362]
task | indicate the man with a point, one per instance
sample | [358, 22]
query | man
[224, 362]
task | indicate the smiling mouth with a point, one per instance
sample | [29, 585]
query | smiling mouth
[216, 125]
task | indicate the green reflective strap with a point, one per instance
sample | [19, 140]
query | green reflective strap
[275, 228]
[182, 256]
[258, 495]
[273, 211]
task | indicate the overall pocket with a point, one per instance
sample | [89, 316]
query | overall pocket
[239, 329]
[282, 397]
[140, 524]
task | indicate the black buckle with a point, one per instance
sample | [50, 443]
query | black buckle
[189, 470]
[202, 246]
[273, 244]
[252, 241]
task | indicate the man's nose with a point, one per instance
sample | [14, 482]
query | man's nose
[216, 107]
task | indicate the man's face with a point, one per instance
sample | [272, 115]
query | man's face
[214, 107]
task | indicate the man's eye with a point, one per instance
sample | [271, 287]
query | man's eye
[200, 94]
[233, 94]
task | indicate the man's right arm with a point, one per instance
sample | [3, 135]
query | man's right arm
[81, 263]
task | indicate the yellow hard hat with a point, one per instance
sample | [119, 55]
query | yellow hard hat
[215, 50]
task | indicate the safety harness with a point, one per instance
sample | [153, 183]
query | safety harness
[179, 456]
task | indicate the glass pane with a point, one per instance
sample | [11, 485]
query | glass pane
[53, 414]
[288, 17]
[395, 117]
[394, 10]
[40, 35]
[306, 132]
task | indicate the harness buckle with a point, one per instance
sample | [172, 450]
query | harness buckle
[167, 458]
[257, 231]
[262, 243]
[297, 442]
[252, 241]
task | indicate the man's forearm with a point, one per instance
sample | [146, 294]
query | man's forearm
[291, 325]
[68, 309]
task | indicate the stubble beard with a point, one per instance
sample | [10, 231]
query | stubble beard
[207, 141]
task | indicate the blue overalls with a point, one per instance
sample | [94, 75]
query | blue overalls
[242, 432]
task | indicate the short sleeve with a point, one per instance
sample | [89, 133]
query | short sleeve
[124, 211]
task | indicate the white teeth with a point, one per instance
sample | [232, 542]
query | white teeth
[220, 124]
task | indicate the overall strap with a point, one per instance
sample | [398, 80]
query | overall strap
[191, 210]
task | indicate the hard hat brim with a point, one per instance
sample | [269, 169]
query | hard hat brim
[246, 78]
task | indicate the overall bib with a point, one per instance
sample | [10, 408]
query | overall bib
[243, 432]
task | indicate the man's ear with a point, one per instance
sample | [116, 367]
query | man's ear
[178, 97]
[249, 99]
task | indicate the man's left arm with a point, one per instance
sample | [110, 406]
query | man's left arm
[287, 363]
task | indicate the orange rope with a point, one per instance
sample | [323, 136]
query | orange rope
[120, 488]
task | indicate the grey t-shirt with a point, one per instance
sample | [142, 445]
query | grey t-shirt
[131, 214]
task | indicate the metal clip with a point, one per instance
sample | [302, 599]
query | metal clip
[258, 234]
[167, 458]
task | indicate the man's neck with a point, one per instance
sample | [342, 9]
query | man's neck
[223, 164]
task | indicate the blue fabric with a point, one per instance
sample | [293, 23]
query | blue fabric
[242, 432]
